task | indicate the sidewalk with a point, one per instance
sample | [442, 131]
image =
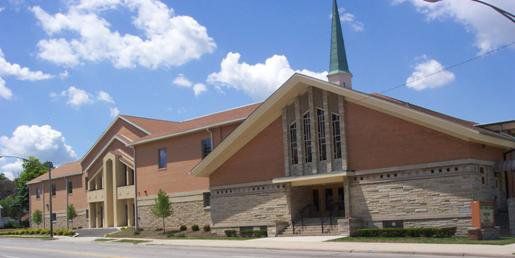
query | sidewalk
[318, 244]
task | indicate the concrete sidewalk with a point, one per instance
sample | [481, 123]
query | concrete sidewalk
[318, 244]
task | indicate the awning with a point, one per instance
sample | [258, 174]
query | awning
[336, 177]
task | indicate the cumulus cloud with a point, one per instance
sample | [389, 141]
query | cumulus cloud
[43, 142]
[76, 98]
[183, 82]
[491, 30]
[17, 71]
[429, 74]
[81, 34]
[256, 80]
[350, 19]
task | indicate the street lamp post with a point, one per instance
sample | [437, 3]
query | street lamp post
[50, 193]
[504, 13]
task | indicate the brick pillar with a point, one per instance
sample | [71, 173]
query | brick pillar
[341, 111]
[300, 149]
[347, 200]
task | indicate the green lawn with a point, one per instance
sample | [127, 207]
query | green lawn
[428, 240]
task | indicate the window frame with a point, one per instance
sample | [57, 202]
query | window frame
[53, 189]
[206, 199]
[162, 164]
[308, 141]
[206, 146]
[322, 141]
[337, 136]
[294, 148]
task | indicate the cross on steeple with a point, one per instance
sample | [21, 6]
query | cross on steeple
[338, 67]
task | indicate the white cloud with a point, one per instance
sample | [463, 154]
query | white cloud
[256, 80]
[114, 111]
[105, 97]
[42, 142]
[350, 19]
[64, 75]
[491, 29]
[76, 97]
[183, 82]
[5, 92]
[169, 39]
[2, 9]
[429, 74]
[199, 88]
[8, 69]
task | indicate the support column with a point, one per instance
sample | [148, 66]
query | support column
[130, 220]
[347, 197]
[343, 138]
[285, 143]
[298, 122]
[328, 134]
[314, 140]
[116, 204]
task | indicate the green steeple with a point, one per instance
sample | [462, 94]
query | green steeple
[338, 55]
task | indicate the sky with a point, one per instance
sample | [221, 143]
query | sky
[69, 67]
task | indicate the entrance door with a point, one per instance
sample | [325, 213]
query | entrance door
[316, 200]
[329, 201]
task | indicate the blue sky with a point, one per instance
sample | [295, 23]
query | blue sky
[68, 67]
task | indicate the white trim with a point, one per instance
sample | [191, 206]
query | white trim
[107, 130]
[116, 137]
[166, 136]
[271, 109]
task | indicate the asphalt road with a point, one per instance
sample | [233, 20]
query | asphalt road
[21, 248]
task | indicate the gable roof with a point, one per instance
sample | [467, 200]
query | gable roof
[201, 123]
[68, 169]
[151, 125]
[296, 85]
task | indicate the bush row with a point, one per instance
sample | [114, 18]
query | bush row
[246, 233]
[406, 232]
[38, 231]
[195, 228]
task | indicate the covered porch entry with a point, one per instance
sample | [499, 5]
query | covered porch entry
[319, 204]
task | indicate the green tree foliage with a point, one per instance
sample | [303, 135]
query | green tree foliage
[17, 204]
[162, 207]
[71, 214]
[37, 217]
[7, 186]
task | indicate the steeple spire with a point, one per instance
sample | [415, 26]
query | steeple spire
[338, 67]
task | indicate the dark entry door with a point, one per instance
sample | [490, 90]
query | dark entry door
[316, 200]
[329, 201]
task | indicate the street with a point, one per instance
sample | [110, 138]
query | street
[21, 248]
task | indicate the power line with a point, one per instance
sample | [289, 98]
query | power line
[446, 68]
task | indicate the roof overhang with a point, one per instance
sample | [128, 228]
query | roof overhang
[296, 85]
[335, 177]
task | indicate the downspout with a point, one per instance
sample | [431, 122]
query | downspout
[67, 203]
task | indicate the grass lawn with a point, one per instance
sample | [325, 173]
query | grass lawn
[152, 234]
[428, 240]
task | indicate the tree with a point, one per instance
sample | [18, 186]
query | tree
[32, 168]
[71, 214]
[162, 207]
[37, 217]
[7, 186]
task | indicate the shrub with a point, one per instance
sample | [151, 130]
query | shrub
[253, 233]
[206, 228]
[231, 233]
[195, 228]
[183, 228]
[406, 232]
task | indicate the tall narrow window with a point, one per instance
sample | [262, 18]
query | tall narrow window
[38, 192]
[293, 144]
[322, 152]
[70, 187]
[206, 199]
[307, 137]
[54, 189]
[337, 139]
[163, 158]
[206, 147]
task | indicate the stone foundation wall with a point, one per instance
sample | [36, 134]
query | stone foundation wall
[511, 213]
[430, 197]
[189, 213]
[79, 222]
[250, 205]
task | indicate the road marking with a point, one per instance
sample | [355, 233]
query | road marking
[40, 250]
